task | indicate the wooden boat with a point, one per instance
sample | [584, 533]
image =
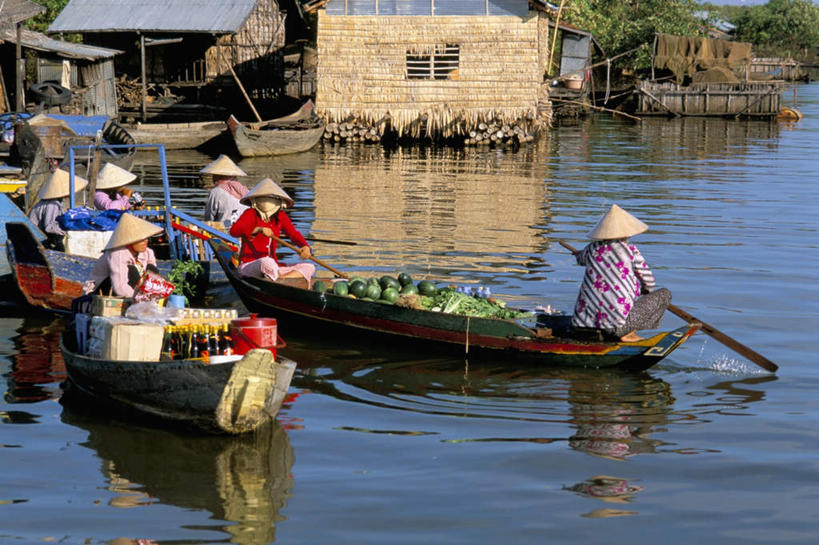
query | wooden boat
[292, 133]
[50, 279]
[184, 135]
[234, 397]
[54, 134]
[550, 342]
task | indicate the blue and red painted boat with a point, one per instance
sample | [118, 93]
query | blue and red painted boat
[50, 279]
[550, 340]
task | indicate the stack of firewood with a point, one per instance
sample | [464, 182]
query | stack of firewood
[129, 92]
[498, 133]
[353, 130]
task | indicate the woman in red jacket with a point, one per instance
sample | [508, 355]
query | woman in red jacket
[256, 228]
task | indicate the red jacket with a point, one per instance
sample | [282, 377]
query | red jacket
[258, 246]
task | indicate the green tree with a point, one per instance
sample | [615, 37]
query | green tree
[621, 25]
[782, 27]
[41, 22]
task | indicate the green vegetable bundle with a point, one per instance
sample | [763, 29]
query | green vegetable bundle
[452, 302]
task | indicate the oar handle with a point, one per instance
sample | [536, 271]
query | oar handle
[731, 343]
[312, 258]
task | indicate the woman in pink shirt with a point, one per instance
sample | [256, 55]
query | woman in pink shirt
[111, 193]
[125, 258]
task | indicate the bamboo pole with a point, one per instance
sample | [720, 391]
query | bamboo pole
[597, 108]
[554, 37]
[242, 88]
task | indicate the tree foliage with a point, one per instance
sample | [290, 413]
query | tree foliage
[41, 22]
[621, 25]
[783, 27]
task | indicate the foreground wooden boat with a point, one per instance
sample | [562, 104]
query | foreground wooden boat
[292, 133]
[50, 279]
[235, 397]
[549, 342]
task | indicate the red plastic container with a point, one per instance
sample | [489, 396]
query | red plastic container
[255, 332]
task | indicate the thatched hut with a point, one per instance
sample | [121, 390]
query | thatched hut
[186, 48]
[465, 69]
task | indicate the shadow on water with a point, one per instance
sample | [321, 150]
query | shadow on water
[244, 482]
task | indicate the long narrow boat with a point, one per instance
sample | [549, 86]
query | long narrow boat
[551, 341]
[292, 133]
[234, 397]
[50, 279]
[182, 135]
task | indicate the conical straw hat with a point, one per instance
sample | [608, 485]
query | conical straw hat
[267, 188]
[112, 176]
[57, 185]
[131, 229]
[223, 166]
[617, 223]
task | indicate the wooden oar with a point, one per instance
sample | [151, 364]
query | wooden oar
[331, 241]
[312, 258]
[730, 342]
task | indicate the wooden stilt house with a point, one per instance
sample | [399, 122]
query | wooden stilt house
[12, 16]
[186, 50]
[87, 71]
[452, 69]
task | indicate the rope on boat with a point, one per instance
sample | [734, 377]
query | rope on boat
[466, 346]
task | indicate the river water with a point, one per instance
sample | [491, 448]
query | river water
[390, 446]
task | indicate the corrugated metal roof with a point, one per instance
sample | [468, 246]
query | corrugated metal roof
[209, 16]
[14, 11]
[41, 42]
[519, 8]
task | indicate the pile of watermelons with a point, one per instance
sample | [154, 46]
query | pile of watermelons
[424, 295]
[386, 289]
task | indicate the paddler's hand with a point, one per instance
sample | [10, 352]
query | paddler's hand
[267, 231]
[305, 252]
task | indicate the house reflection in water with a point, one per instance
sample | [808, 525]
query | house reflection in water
[437, 209]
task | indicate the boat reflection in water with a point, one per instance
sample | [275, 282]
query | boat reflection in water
[37, 364]
[243, 481]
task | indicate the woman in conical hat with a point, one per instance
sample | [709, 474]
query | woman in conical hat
[125, 258]
[256, 228]
[111, 193]
[44, 214]
[618, 294]
[223, 200]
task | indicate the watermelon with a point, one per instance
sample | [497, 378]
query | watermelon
[409, 289]
[341, 288]
[390, 295]
[319, 286]
[373, 292]
[404, 279]
[358, 288]
[389, 282]
[425, 287]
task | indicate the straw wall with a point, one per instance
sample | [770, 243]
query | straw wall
[260, 36]
[362, 72]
